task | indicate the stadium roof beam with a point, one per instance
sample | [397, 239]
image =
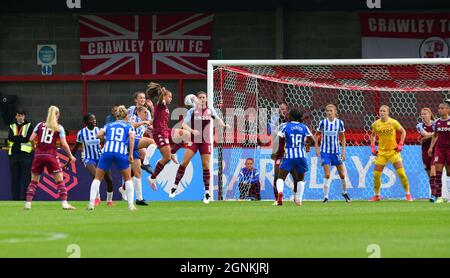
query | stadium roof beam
[139, 6]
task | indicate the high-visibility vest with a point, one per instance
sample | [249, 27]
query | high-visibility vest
[25, 147]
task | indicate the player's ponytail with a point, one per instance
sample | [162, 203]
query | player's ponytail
[52, 118]
[153, 90]
[122, 113]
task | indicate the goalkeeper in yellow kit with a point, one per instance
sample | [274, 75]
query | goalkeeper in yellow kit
[388, 150]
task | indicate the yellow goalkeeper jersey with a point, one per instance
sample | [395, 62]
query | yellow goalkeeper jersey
[387, 133]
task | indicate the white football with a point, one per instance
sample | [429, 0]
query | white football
[190, 100]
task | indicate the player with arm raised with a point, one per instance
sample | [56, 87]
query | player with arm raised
[117, 135]
[388, 150]
[46, 156]
[332, 130]
[294, 160]
[162, 134]
[198, 123]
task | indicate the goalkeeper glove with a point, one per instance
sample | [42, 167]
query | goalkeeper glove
[374, 150]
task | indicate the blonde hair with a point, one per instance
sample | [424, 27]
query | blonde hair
[153, 90]
[52, 119]
[140, 109]
[429, 111]
[387, 107]
[121, 113]
[332, 106]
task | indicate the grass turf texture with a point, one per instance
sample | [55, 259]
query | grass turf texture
[228, 229]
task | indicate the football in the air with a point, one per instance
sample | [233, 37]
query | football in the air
[190, 100]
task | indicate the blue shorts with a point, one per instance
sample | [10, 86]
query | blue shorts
[299, 164]
[331, 159]
[120, 160]
[136, 154]
[88, 161]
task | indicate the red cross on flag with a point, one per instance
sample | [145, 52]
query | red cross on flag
[156, 44]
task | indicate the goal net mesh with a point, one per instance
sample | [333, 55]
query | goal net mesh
[247, 97]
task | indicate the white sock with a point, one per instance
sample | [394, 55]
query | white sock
[343, 186]
[98, 194]
[326, 188]
[64, 203]
[109, 196]
[448, 188]
[280, 185]
[130, 192]
[95, 186]
[137, 183]
[301, 189]
[149, 153]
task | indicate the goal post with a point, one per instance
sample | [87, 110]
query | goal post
[246, 94]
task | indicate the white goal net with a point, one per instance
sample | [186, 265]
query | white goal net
[247, 94]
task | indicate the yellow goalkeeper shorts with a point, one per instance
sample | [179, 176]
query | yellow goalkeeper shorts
[391, 156]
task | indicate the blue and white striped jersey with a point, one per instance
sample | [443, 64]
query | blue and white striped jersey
[91, 144]
[132, 112]
[295, 134]
[139, 131]
[330, 135]
[116, 135]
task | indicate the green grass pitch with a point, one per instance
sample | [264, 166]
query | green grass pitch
[227, 229]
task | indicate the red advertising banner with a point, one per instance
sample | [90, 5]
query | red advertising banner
[155, 44]
[405, 35]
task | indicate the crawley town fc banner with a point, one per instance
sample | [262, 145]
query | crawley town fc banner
[157, 44]
[393, 35]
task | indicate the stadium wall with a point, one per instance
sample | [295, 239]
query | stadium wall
[238, 35]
